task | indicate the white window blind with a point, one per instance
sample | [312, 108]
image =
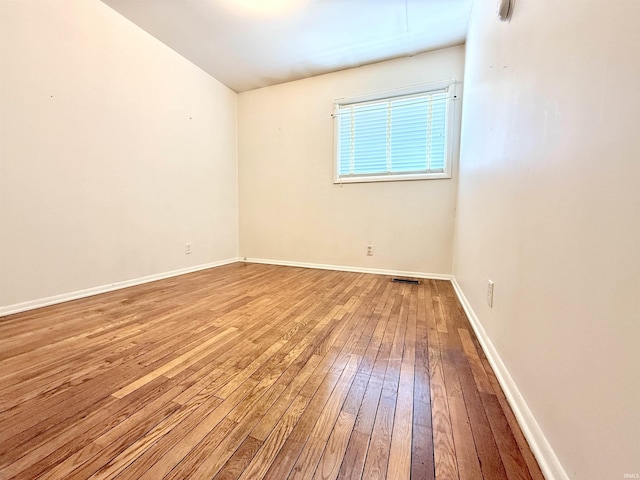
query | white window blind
[393, 138]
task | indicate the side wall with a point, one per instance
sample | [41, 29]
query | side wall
[549, 209]
[290, 210]
[114, 153]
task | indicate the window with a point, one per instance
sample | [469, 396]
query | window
[402, 137]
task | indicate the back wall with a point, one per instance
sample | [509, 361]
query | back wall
[290, 210]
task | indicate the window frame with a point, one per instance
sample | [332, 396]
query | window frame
[449, 86]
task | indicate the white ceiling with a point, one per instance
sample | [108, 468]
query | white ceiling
[249, 44]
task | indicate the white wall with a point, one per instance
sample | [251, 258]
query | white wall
[114, 152]
[549, 208]
[290, 210]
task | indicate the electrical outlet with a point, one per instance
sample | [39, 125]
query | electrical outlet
[187, 248]
[370, 250]
[490, 293]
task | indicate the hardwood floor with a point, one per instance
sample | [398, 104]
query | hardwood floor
[255, 372]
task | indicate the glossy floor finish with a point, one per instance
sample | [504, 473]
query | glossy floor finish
[255, 371]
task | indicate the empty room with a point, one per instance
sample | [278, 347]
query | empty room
[319, 239]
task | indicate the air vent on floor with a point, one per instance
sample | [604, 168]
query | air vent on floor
[410, 281]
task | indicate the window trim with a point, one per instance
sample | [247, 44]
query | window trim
[447, 85]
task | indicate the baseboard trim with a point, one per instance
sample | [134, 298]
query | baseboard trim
[345, 268]
[88, 292]
[547, 459]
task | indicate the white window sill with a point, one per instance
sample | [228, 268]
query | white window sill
[392, 178]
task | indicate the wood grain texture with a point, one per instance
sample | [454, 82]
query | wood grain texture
[255, 372]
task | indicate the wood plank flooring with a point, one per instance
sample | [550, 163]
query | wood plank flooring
[255, 372]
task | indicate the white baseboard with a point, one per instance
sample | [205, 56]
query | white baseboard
[547, 459]
[65, 297]
[343, 268]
